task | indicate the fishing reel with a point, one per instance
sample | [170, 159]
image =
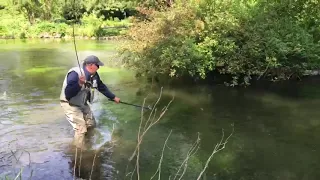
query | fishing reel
[88, 84]
[93, 85]
[91, 94]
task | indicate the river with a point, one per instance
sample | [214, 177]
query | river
[274, 129]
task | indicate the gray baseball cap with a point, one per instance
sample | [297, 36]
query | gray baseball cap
[92, 60]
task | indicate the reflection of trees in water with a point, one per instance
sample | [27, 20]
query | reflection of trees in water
[8, 60]
[273, 133]
[22, 81]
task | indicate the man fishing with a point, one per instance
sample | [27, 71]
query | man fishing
[77, 90]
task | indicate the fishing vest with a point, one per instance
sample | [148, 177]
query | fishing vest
[83, 95]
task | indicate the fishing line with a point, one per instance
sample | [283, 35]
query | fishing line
[74, 39]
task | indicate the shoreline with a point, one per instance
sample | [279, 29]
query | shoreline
[121, 37]
[307, 73]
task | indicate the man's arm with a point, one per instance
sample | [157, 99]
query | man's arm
[73, 86]
[104, 89]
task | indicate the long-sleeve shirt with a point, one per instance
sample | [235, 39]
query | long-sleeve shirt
[73, 86]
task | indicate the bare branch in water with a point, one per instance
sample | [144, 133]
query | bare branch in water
[75, 164]
[19, 175]
[150, 125]
[138, 147]
[150, 122]
[135, 167]
[14, 156]
[80, 159]
[31, 174]
[194, 148]
[142, 131]
[153, 109]
[94, 159]
[159, 166]
[221, 145]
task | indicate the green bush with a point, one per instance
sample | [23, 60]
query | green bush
[163, 46]
[12, 24]
[48, 28]
[3, 31]
[244, 40]
[15, 24]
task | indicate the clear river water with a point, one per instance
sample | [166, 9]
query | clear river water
[275, 128]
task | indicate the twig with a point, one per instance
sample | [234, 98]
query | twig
[153, 108]
[264, 71]
[184, 170]
[142, 132]
[141, 121]
[29, 156]
[19, 175]
[194, 148]
[17, 160]
[75, 164]
[160, 162]
[216, 149]
[31, 173]
[127, 174]
[94, 158]
[132, 173]
[138, 147]
[152, 124]
[14, 156]
[80, 158]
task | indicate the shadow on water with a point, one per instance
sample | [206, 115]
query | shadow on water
[275, 131]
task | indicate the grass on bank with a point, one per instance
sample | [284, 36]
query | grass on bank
[16, 26]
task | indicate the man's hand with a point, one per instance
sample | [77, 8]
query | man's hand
[82, 80]
[117, 100]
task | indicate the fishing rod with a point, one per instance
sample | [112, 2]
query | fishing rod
[74, 39]
[88, 84]
[148, 107]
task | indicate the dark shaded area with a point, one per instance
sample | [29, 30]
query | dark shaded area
[275, 129]
[117, 13]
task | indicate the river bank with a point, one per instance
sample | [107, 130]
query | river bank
[90, 27]
[67, 37]
[111, 43]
